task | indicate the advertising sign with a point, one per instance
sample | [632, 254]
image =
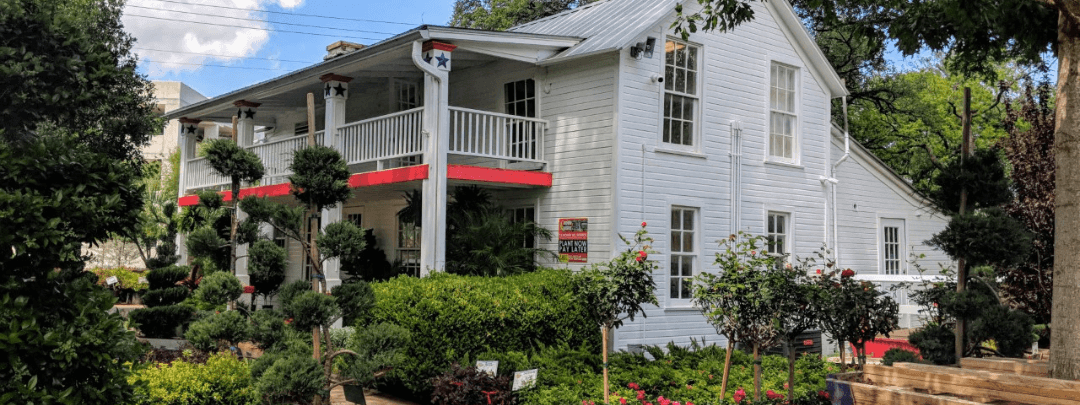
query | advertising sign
[573, 240]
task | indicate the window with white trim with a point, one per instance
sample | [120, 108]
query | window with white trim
[408, 247]
[892, 246]
[280, 239]
[778, 234]
[683, 252]
[524, 215]
[680, 92]
[406, 95]
[520, 100]
[783, 113]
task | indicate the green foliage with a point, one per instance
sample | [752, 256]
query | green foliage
[311, 309]
[378, 347]
[218, 331]
[936, 343]
[983, 237]
[165, 296]
[167, 277]
[898, 355]
[467, 386]
[370, 264]
[268, 328]
[854, 311]
[162, 321]
[320, 177]
[219, 288]
[266, 266]
[128, 278]
[61, 344]
[282, 217]
[451, 316]
[982, 175]
[728, 15]
[1010, 330]
[356, 300]
[498, 15]
[205, 242]
[615, 290]
[223, 380]
[166, 241]
[291, 290]
[740, 300]
[230, 160]
[293, 378]
[340, 239]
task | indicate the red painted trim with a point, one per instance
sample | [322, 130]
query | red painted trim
[504, 176]
[335, 77]
[391, 176]
[187, 200]
[245, 103]
[186, 120]
[442, 46]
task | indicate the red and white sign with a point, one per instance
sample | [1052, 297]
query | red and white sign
[573, 240]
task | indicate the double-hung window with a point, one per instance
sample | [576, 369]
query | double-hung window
[408, 247]
[892, 246]
[524, 215]
[680, 92]
[778, 235]
[683, 252]
[520, 100]
[783, 113]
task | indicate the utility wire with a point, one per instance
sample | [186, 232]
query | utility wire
[274, 22]
[224, 56]
[220, 66]
[291, 14]
[249, 28]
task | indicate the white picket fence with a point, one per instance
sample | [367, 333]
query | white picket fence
[390, 136]
[494, 135]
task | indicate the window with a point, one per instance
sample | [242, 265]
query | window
[783, 110]
[280, 239]
[683, 252]
[778, 234]
[406, 95]
[300, 128]
[892, 246]
[356, 219]
[524, 215]
[408, 247]
[520, 100]
[680, 92]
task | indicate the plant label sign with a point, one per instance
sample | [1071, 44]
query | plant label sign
[573, 240]
[490, 367]
[112, 280]
[524, 379]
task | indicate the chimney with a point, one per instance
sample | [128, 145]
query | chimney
[340, 48]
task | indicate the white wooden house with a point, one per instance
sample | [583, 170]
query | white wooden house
[598, 113]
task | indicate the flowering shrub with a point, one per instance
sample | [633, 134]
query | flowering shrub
[854, 311]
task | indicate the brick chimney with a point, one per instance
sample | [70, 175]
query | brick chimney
[340, 48]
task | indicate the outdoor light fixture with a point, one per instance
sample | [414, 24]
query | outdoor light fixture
[643, 48]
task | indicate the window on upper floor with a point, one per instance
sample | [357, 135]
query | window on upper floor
[892, 246]
[520, 100]
[680, 92]
[778, 235]
[684, 254]
[783, 113]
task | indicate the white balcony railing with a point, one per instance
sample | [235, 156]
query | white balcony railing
[390, 136]
[495, 135]
[277, 155]
[200, 175]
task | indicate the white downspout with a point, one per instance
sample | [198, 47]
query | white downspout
[436, 126]
[835, 182]
[736, 175]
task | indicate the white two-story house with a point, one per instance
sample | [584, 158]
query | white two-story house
[597, 119]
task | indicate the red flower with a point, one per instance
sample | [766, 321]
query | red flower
[288, 321]
[689, 387]
[641, 395]
[739, 395]
[633, 386]
[753, 252]
[773, 395]
[642, 224]
[847, 273]
[823, 394]
[818, 271]
[249, 289]
[622, 401]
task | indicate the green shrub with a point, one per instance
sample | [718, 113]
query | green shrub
[311, 309]
[468, 386]
[161, 322]
[222, 380]
[266, 266]
[292, 378]
[218, 331]
[165, 296]
[167, 276]
[291, 290]
[219, 288]
[898, 355]
[267, 328]
[936, 343]
[1011, 330]
[356, 299]
[377, 347]
[128, 278]
[451, 316]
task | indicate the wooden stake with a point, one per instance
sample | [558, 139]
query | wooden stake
[604, 336]
[757, 374]
[311, 119]
[235, 137]
[791, 371]
[961, 266]
[727, 367]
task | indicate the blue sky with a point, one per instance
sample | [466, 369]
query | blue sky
[248, 35]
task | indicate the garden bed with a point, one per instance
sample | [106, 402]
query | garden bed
[907, 383]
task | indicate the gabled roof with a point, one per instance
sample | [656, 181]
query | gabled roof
[882, 171]
[607, 24]
[611, 25]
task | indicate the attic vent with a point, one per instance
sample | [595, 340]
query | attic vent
[340, 48]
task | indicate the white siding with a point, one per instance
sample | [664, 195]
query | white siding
[735, 76]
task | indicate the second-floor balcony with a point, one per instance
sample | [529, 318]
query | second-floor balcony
[475, 137]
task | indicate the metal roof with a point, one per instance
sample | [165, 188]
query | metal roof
[607, 24]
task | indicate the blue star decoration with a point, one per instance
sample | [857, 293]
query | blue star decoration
[339, 90]
[427, 58]
[442, 60]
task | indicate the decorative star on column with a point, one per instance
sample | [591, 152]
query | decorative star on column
[239, 112]
[339, 90]
[326, 90]
[190, 129]
[427, 58]
[442, 59]
[250, 114]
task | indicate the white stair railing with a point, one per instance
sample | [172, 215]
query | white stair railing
[390, 136]
[495, 135]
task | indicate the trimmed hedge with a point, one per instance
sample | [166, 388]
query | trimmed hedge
[161, 322]
[451, 317]
[167, 276]
[165, 296]
[223, 380]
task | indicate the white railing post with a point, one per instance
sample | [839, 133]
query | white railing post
[335, 93]
[188, 127]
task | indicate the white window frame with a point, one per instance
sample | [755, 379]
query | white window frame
[786, 233]
[408, 246]
[682, 255]
[696, 120]
[796, 110]
[514, 217]
[885, 246]
[518, 136]
[397, 86]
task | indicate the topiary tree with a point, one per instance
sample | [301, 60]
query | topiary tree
[616, 290]
[239, 165]
[266, 268]
[164, 312]
[218, 331]
[219, 289]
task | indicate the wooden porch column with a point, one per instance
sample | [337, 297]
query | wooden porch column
[335, 93]
[434, 59]
[245, 122]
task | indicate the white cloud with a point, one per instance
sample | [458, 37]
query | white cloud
[234, 37]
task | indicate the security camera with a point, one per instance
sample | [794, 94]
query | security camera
[657, 78]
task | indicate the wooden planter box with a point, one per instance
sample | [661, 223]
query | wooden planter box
[910, 383]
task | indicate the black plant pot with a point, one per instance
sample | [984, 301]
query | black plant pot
[354, 393]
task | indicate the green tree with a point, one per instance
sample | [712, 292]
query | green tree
[239, 165]
[267, 263]
[616, 290]
[854, 311]
[975, 35]
[499, 15]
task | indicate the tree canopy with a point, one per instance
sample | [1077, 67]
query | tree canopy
[500, 15]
